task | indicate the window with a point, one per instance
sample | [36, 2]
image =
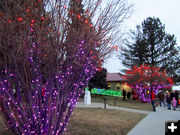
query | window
[118, 86]
[109, 85]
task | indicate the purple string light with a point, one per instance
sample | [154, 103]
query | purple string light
[44, 107]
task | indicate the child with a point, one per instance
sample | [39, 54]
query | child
[174, 103]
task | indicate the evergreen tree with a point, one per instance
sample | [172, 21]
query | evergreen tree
[151, 45]
[134, 54]
[99, 80]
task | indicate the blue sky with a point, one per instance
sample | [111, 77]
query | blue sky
[167, 10]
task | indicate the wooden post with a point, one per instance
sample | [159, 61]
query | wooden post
[105, 99]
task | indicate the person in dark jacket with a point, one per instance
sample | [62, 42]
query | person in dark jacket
[172, 94]
[161, 98]
[176, 97]
[124, 95]
[168, 101]
[129, 95]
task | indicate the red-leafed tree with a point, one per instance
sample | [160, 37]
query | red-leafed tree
[145, 79]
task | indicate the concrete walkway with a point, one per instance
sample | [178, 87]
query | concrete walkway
[101, 105]
[152, 124]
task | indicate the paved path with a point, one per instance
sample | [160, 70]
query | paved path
[152, 124]
[101, 105]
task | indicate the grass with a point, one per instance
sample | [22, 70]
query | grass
[102, 122]
[96, 122]
[3, 130]
[135, 104]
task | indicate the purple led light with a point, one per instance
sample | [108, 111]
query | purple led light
[41, 102]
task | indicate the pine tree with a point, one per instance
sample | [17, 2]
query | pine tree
[99, 80]
[134, 54]
[151, 45]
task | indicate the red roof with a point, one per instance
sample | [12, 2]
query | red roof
[110, 77]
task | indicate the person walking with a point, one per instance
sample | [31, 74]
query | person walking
[172, 94]
[161, 98]
[174, 103]
[168, 101]
[153, 101]
[124, 95]
[129, 95]
[176, 97]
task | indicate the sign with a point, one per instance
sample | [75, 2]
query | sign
[172, 127]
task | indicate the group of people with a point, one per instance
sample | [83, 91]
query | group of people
[168, 99]
[128, 95]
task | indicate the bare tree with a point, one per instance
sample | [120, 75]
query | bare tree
[49, 49]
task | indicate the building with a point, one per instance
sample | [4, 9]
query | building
[176, 88]
[116, 82]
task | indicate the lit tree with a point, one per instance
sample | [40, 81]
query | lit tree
[145, 79]
[49, 50]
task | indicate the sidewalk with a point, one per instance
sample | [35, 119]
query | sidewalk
[152, 124]
[101, 105]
